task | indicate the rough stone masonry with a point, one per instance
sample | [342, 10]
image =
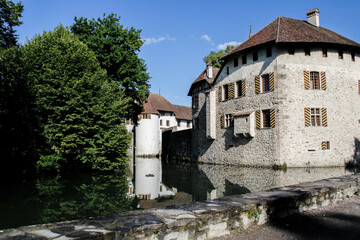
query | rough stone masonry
[199, 220]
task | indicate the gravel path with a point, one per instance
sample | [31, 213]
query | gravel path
[337, 221]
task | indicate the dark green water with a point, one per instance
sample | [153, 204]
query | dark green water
[59, 198]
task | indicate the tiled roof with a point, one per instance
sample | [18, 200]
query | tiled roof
[156, 103]
[182, 112]
[203, 77]
[288, 30]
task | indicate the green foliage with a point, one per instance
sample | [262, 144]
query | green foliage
[215, 57]
[116, 49]
[79, 110]
[9, 18]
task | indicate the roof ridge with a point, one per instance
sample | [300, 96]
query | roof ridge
[277, 29]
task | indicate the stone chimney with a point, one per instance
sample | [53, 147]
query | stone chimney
[209, 71]
[313, 17]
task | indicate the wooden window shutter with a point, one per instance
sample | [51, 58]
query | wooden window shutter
[257, 84]
[359, 86]
[222, 121]
[324, 145]
[140, 116]
[272, 118]
[220, 94]
[231, 90]
[307, 116]
[243, 87]
[232, 119]
[324, 117]
[149, 116]
[258, 119]
[307, 80]
[271, 82]
[323, 81]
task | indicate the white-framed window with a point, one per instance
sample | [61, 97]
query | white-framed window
[314, 80]
[265, 83]
[239, 88]
[228, 120]
[315, 117]
[225, 92]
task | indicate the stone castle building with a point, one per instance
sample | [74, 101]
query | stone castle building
[290, 94]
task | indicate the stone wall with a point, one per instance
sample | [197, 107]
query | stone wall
[199, 220]
[176, 145]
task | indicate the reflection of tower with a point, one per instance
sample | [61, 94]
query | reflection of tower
[147, 179]
[148, 183]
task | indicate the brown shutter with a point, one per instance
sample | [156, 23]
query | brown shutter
[272, 118]
[307, 80]
[324, 117]
[323, 81]
[220, 94]
[258, 119]
[271, 82]
[149, 116]
[140, 116]
[324, 145]
[231, 87]
[243, 87]
[307, 116]
[359, 86]
[257, 84]
[222, 121]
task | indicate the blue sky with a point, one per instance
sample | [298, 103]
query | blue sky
[180, 33]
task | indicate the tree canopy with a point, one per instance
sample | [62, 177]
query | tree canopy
[81, 112]
[215, 57]
[10, 14]
[117, 48]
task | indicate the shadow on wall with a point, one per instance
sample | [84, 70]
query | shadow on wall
[234, 189]
[232, 141]
[201, 142]
[356, 158]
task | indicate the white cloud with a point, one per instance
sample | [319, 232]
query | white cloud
[206, 37]
[152, 40]
[223, 45]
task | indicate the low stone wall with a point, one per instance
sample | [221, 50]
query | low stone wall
[199, 220]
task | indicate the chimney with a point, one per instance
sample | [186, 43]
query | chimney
[209, 71]
[313, 17]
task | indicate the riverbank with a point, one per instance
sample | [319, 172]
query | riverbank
[205, 219]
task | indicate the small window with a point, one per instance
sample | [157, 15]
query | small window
[307, 51]
[265, 118]
[228, 120]
[291, 51]
[324, 52]
[325, 145]
[314, 80]
[244, 59]
[236, 62]
[353, 56]
[167, 123]
[268, 52]
[225, 92]
[196, 123]
[161, 123]
[341, 54]
[255, 56]
[315, 117]
[227, 71]
[179, 124]
[188, 124]
[265, 83]
[239, 88]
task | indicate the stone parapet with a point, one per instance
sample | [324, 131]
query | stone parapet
[199, 220]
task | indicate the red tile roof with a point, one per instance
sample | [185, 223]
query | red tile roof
[203, 77]
[156, 103]
[288, 30]
[182, 112]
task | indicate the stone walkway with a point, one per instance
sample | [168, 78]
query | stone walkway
[336, 221]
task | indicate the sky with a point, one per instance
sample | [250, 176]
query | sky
[178, 34]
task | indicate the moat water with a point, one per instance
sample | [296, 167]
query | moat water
[160, 183]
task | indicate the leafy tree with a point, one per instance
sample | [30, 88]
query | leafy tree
[215, 57]
[79, 110]
[9, 18]
[116, 48]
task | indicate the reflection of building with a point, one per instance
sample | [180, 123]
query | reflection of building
[158, 115]
[148, 183]
[290, 94]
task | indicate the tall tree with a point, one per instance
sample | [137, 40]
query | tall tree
[117, 50]
[215, 57]
[81, 112]
[10, 14]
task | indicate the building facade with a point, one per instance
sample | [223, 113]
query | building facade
[290, 95]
